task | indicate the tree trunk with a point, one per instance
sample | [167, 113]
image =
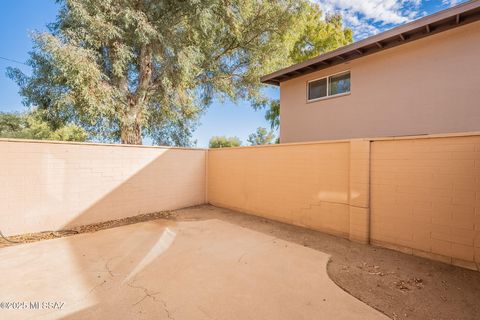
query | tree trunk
[130, 126]
[131, 134]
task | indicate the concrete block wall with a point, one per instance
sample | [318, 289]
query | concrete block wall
[301, 184]
[425, 197]
[50, 186]
[419, 195]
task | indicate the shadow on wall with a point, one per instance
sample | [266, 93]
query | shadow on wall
[172, 180]
[50, 186]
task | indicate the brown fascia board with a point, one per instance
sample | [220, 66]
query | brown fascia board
[441, 21]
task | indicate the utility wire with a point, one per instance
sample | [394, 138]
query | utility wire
[12, 60]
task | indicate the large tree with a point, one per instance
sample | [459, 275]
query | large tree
[127, 69]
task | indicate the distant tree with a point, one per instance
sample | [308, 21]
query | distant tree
[261, 136]
[128, 69]
[33, 126]
[224, 142]
[11, 122]
[273, 114]
[317, 36]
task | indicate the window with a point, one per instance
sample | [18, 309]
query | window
[317, 89]
[339, 84]
[333, 85]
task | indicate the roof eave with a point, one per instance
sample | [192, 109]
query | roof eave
[444, 20]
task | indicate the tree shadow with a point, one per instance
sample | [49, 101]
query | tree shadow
[173, 179]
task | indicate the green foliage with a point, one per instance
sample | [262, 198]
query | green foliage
[11, 122]
[261, 136]
[273, 114]
[33, 126]
[316, 36]
[224, 142]
[127, 69]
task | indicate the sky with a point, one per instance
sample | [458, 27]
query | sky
[365, 17]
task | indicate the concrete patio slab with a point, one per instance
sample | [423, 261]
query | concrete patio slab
[165, 269]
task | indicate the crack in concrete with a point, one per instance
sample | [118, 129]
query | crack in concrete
[205, 313]
[145, 290]
[165, 308]
[241, 257]
[107, 267]
[153, 297]
[96, 286]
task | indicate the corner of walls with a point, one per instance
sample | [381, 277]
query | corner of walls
[359, 191]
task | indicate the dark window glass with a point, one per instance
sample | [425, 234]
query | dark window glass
[339, 84]
[317, 89]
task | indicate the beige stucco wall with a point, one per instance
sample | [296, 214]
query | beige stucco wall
[425, 197]
[305, 184]
[49, 186]
[423, 87]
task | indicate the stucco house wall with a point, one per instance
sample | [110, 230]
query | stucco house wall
[427, 86]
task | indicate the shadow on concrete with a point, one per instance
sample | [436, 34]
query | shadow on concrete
[162, 184]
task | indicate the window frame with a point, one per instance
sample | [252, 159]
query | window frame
[328, 96]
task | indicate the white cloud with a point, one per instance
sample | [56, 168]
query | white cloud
[368, 17]
[450, 3]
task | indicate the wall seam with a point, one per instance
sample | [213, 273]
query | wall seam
[369, 207]
[349, 186]
[206, 176]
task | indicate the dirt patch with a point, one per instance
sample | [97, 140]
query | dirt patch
[32, 237]
[400, 285]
